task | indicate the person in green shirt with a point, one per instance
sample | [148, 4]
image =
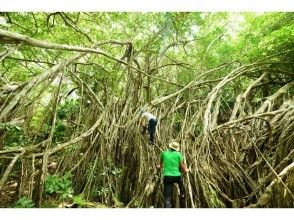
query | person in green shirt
[172, 162]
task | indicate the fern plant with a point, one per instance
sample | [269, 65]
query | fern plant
[24, 202]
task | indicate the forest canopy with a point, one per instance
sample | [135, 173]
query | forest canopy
[72, 86]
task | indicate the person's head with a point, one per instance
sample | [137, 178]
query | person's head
[174, 146]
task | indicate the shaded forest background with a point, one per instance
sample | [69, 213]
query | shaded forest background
[72, 86]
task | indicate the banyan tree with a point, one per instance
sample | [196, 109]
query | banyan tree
[72, 86]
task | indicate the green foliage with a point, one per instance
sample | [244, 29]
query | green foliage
[265, 34]
[83, 203]
[102, 191]
[15, 136]
[62, 186]
[67, 109]
[112, 169]
[24, 202]
[9, 127]
[95, 192]
[66, 112]
[40, 114]
[202, 40]
[59, 132]
[116, 171]
[80, 200]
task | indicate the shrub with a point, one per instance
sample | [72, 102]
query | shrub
[61, 186]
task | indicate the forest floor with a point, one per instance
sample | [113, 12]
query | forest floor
[7, 193]
[8, 199]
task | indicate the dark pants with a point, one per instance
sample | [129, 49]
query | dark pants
[168, 182]
[152, 128]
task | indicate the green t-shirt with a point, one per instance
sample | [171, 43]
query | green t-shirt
[171, 162]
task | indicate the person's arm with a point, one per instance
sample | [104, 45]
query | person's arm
[142, 121]
[159, 166]
[184, 167]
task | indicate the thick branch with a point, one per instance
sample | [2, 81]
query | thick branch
[35, 81]
[11, 37]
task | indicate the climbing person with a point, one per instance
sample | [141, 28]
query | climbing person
[172, 162]
[148, 122]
